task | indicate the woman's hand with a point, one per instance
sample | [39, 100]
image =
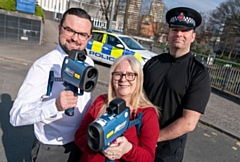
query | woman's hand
[118, 148]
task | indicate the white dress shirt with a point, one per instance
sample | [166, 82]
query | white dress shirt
[50, 125]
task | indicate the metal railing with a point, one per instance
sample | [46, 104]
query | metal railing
[225, 78]
[224, 74]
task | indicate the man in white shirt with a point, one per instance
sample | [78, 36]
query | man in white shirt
[54, 130]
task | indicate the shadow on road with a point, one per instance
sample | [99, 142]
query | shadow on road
[17, 141]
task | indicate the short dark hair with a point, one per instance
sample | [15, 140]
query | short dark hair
[77, 12]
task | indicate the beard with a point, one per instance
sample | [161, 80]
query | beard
[65, 48]
[67, 45]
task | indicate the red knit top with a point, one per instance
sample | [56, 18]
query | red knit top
[144, 144]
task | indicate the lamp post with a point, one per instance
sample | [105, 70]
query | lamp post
[112, 14]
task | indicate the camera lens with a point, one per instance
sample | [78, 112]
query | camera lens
[92, 73]
[93, 144]
[89, 86]
[81, 56]
[94, 132]
[93, 137]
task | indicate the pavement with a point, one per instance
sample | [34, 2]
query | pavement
[222, 111]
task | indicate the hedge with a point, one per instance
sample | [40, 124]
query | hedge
[10, 5]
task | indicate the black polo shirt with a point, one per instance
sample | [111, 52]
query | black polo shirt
[176, 83]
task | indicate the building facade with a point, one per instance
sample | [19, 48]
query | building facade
[53, 8]
[157, 10]
[133, 17]
[151, 23]
[147, 26]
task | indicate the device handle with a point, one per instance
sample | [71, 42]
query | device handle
[70, 112]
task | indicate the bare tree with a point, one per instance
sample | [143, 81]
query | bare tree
[227, 22]
[201, 29]
[234, 5]
[159, 29]
[214, 30]
[106, 7]
[125, 25]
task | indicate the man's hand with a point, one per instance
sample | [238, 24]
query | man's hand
[66, 99]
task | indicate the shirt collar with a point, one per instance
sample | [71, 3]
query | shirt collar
[181, 58]
[63, 53]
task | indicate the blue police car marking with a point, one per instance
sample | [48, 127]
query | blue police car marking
[90, 43]
[128, 52]
[106, 49]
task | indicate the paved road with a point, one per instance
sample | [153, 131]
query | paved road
[15, 143]
[222, 112]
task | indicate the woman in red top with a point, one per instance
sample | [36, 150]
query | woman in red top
[126, 82]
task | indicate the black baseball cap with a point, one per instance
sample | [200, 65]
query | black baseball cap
[183, 17]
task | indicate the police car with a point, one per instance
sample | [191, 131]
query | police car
[107, 46]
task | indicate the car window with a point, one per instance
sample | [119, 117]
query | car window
[97, 36]
[113, 41]
[131, 43]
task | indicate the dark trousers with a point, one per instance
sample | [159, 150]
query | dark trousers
[55, 153]
[172, 150]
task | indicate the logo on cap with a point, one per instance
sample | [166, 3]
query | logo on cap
[181, 16]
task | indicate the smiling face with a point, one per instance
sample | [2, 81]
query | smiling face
[180, 39]
[71, 33]
[123, 87]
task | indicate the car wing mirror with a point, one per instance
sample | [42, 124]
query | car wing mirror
[120, 46]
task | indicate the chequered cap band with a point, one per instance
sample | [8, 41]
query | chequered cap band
[185, 19]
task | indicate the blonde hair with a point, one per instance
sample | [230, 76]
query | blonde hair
[138, 98]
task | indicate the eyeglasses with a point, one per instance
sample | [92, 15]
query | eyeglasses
[129, 76]
[71, 32]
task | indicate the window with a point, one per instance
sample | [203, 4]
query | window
[111, 40]
[131, 43]
[97, 36]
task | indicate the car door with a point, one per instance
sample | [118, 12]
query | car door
[97, 48]
[95, 45]
[112, 46]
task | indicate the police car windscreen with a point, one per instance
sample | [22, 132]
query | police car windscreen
[131, 43]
